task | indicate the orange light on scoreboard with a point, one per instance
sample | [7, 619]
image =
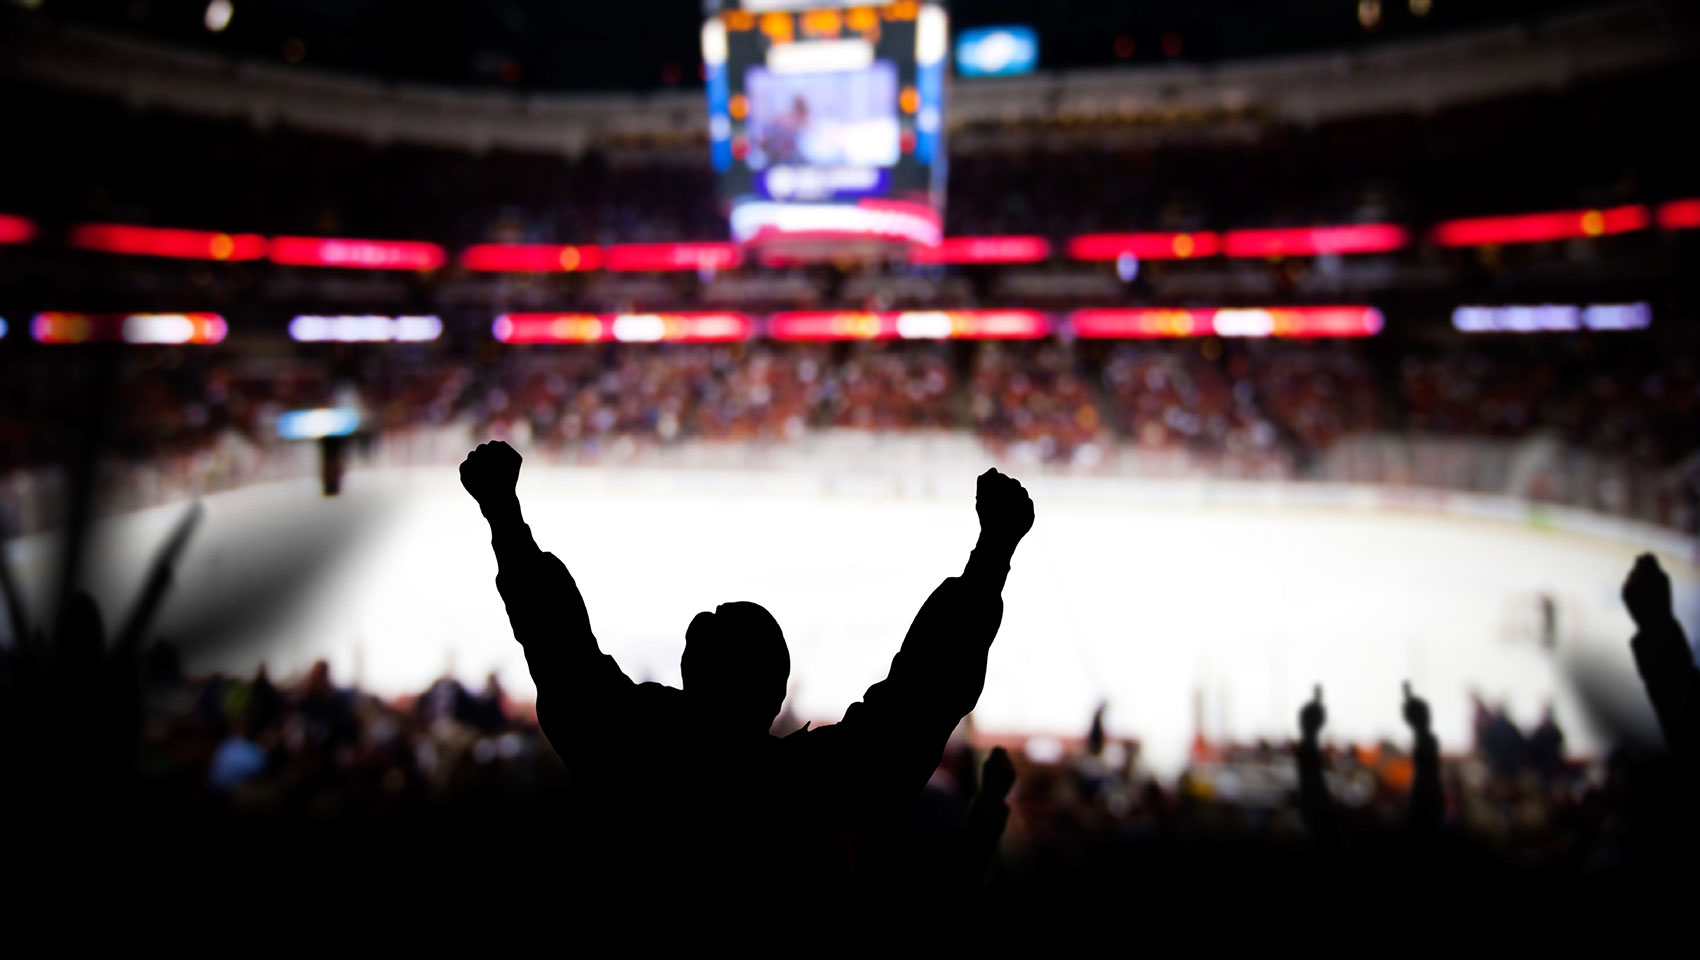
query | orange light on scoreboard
[778, 27]
[862, 19]
[822, 23]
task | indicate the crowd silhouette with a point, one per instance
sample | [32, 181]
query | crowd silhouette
[684, 803]
[843, 805]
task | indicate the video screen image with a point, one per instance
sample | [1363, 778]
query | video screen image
[828, 125]
[823, 119]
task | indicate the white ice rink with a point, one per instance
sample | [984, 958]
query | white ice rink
[1165, 608]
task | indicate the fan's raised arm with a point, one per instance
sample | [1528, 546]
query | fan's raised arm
[579, 688]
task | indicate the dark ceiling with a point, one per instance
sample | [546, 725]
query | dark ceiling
[647, 44]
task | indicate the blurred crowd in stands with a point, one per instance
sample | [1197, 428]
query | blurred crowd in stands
[1232, 408]
[1255, 409]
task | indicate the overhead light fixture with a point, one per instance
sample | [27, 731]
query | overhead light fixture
[218, 15]
[1369, 13]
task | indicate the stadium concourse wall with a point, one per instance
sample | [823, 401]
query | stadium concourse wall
[849, 463]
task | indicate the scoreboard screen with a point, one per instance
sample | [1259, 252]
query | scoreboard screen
[826, 124]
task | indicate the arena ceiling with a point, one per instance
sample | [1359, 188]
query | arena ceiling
[588, 45]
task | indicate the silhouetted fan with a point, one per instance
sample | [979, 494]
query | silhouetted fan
[687, 786]
[1316, 805]
[70, 692]
[1665, 660]
[88, 682]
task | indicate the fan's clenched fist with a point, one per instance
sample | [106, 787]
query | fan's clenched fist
[490, 473]
[1005, 509]
[1313, 715]
[1647, 593]
[1416, 711]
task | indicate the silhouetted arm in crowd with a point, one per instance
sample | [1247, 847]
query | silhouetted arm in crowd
[1427, 802]
[897, 733]
[988, 815]
[578, 686]
[1315, 805]
[1663, 658]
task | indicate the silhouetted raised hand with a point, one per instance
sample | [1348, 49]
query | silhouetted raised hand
[1416, 712]
[1313, 715]
[490, 473]
[1315, 805]
[71, 701]
[1095, 733]
[1427, 802]
[1647, 593]
[1005, 509]
[1663, 658]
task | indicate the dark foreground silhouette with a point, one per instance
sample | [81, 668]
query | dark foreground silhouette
[129, 782]
[688, 786]
[1427, 804]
